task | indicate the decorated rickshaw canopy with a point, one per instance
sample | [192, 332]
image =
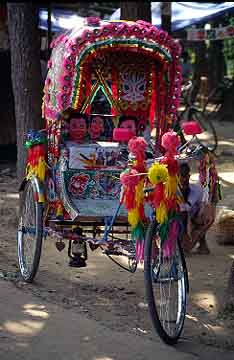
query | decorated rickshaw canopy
[133, 64]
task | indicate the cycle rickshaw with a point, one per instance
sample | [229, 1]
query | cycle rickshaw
[104, 171]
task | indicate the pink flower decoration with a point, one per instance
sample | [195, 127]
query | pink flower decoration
[88, 35]
[170, 141]
[49, 64]
[162, 36]
[93, 21]
[130, 178]
[137, 144]
[153, 33]
[121, 29]
[144, 23]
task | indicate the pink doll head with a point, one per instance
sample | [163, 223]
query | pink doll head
[78, 127]
[96, 127]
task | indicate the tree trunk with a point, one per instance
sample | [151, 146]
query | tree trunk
[8, 130]
[166, 16]
[200, 68]
[216, 63]
[229, 296]
[134, 10]
[25, 73]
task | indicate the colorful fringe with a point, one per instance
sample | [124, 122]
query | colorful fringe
[36, 164]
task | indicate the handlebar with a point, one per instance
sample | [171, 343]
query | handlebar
[186, 86]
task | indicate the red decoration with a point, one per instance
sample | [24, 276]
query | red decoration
[158, 194]
[170, 142]
[137, 146]
[129, 180]
[191, 128]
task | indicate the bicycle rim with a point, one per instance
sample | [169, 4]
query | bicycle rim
[166, 288]
[29, 234]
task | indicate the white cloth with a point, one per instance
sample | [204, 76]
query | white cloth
[194, 202]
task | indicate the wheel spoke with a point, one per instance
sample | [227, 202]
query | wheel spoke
[29, 234]
[165, 288]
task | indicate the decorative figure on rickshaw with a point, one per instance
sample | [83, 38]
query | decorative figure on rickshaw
[78, 128]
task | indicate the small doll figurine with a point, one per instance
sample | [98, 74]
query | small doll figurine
[96, 128]
[78, 128]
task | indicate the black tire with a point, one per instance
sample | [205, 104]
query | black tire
[162, 275]
[209, 137]
[30, 232]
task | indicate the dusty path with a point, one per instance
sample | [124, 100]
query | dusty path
[34, 329]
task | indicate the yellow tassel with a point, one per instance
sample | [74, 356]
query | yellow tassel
[139, 194]
[161, 213]
[158, 173]
[29, 171]
[171, 186]
[41, 168]
[133, 217]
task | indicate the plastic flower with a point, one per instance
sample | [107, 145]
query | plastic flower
[158, 173]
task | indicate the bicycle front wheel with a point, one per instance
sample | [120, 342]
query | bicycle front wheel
[30, 233]
[208, 137]
[166, 283]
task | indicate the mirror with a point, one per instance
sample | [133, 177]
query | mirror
[191, 127]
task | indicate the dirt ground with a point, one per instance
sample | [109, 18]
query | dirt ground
[114, 297]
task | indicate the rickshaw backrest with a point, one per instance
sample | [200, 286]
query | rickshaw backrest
[113, 68]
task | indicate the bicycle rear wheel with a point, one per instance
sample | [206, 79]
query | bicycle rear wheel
[166, 283]
[208, 137]
[30, 233]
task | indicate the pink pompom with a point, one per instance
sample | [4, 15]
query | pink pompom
[137, 145]
[170, 141]
[130, 178]
[93, 21]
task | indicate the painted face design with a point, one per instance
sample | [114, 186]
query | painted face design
[134, 86]
[96, 127]
[77, 129]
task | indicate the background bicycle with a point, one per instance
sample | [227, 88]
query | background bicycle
[189, 111]
[216, 105]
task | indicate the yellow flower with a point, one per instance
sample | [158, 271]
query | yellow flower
[158, 173]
